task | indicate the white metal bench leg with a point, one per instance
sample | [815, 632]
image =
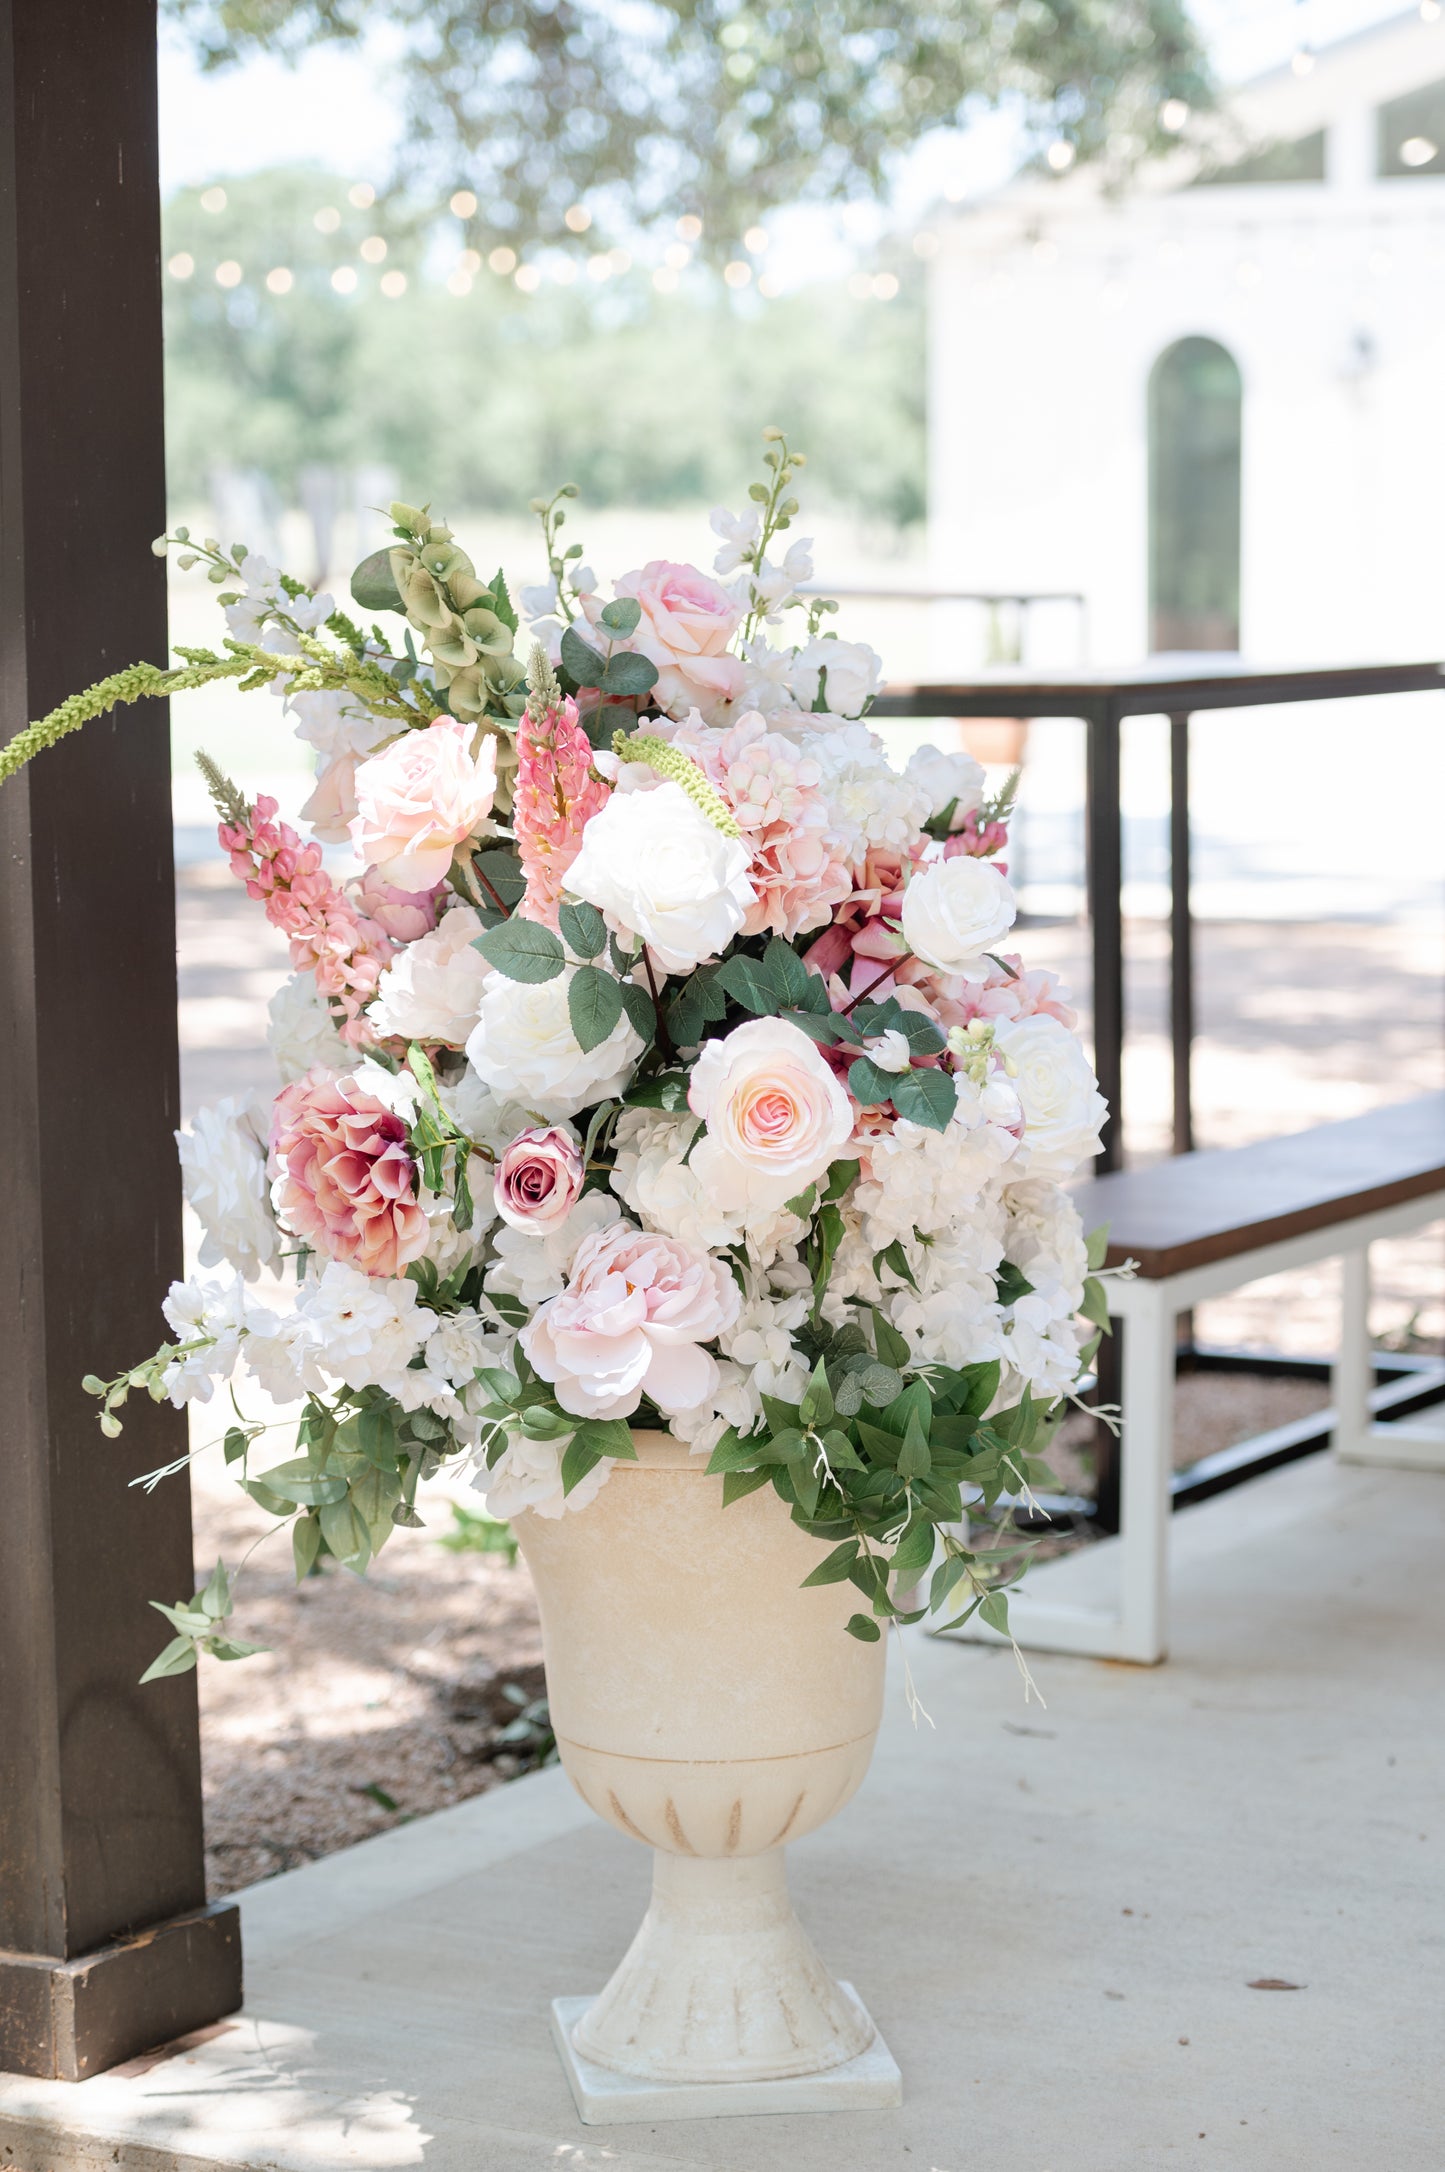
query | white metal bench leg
[1405, 1445]
[1353, 1367]
[1148, 1463]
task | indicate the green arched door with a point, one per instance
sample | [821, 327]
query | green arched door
[1194, 466]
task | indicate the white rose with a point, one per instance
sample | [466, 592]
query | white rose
[1061, 1102]
[954, 911]
[432, 990]
[853, 674]
[950, 780]
[658, 868]
[776, 1116]
[523, 1047]
[223, 1172]
[302, 1032]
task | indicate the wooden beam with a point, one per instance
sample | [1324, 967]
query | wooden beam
[106, 1944]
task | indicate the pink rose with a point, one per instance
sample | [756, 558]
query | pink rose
[347, 1183]
[776, 1116]
[538, 1180]
[419, 798]
[630, 1322]
[687, 622]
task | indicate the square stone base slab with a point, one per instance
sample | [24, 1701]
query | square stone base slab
[869, 2083]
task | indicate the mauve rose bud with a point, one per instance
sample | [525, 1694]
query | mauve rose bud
[539, 1179]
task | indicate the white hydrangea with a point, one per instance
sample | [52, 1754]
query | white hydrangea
[333, 723]
[767, 679]
[854, 673]
[223, 1171]
[761, 1339]
[489, 1120]
[1045, 1238]
[462, 1343]
[1040, 1347]
[664, 1192]
[535, 1268]
[283, 1354]
[433, 988]
[736, 1401]
[869, 802]
[301, 1030]
[952, 1316]
[367, 1329]
[528, 1474]
[922, 1181]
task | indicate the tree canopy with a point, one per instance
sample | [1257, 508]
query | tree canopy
[726, 109]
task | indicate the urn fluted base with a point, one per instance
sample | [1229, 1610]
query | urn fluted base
[721, 1983]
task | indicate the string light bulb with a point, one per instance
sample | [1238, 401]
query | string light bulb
[229, 273]
[327, 219]
[279, 280]
[213, 199]
[1060, 156]
[577, 218]
[181, 265]
[689, 227]
[362, 194]
[503, 260]
[463, 204]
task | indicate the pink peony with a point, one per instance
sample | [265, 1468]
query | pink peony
[539, 1179]
[687, 622]
[347, 1183]
[630, 1322]
[776, 1116]
[421, 797]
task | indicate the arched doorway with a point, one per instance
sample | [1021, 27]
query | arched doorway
[1194, 466]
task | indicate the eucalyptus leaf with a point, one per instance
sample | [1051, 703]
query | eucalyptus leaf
[373, 584]
[628, 674]
[621, 616]
[584, 663]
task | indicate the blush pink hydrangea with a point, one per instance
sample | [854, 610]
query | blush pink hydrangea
[631, 1322]
[346, 1181]
[775, 790]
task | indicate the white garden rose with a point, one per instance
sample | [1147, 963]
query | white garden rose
[302, 1032]
[776, 1116]
[849, 672]
[223, 1172]
[953, 780]
[432, 990]
[524, 1049]
[954, 911]
[1062, 1106]
[655, 865]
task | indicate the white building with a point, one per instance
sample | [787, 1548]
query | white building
[1215, 405]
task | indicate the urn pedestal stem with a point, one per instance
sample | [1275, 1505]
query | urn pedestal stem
[721, 1983]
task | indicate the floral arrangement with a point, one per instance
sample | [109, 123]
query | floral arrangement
[661, 1067]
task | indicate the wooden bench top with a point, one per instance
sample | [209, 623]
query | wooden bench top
[1209, 1206]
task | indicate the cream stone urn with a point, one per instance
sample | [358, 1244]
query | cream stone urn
[707, 1706]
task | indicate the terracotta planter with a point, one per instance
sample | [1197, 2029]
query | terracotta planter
[708, 1707]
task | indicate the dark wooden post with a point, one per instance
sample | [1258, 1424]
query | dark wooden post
[106, 1944]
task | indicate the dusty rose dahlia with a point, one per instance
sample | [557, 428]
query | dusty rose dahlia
[347, 1183]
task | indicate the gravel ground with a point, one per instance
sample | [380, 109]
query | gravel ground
[384, 1698]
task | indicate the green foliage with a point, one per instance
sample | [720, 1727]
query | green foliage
[721, 109]
[472, 1533]
[283, 382]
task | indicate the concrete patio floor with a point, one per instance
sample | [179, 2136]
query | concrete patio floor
[1055, 1916]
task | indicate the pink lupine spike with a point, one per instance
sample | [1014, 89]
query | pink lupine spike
[344, 947]
[556, 793]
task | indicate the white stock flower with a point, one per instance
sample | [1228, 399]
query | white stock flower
[211, 1310]
[461, 1343]
[528, 1475]
[282, 1353]
[1062, 1106]
[1042, 1346]
[739, 533]
[773, 586]
[762, 1340]
[854, 673]
[954, 911]
[335, 723]
[301, 1030]
[535, 1268]
[1045, 1239]
[655, 865]
[539, 601]
[223, 1171]
[524, 1049]
[432, 990]
[953, 780]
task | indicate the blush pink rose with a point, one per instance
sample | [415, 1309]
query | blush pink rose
[347, 1182]
[421, 797]
[631, 1321]
[776, 1116]
[687, 622]
[538, 1180]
